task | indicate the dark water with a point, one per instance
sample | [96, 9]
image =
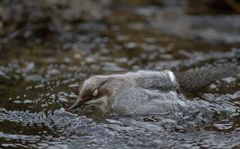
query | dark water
[39, 78]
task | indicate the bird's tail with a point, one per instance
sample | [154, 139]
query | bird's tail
[195, 79]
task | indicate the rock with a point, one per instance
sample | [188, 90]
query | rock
[35, 78]
[229, 80]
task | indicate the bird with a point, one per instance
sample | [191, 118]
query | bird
[147, 92]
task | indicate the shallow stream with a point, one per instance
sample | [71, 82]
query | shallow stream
[39, 79]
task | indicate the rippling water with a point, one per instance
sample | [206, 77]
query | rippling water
[39, 79]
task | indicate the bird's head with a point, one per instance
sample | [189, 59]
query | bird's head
[99, 88]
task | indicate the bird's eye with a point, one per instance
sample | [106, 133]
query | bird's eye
[95, 93]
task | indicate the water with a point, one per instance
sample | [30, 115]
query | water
[39, 79]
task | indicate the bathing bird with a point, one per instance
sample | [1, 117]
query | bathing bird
[148, 92]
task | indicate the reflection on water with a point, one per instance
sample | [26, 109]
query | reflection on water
[40, 78]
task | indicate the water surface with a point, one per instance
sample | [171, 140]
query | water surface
[39, 79]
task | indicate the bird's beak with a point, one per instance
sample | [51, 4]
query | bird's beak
[77, 104]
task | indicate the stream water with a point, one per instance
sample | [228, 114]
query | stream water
[39, 79]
